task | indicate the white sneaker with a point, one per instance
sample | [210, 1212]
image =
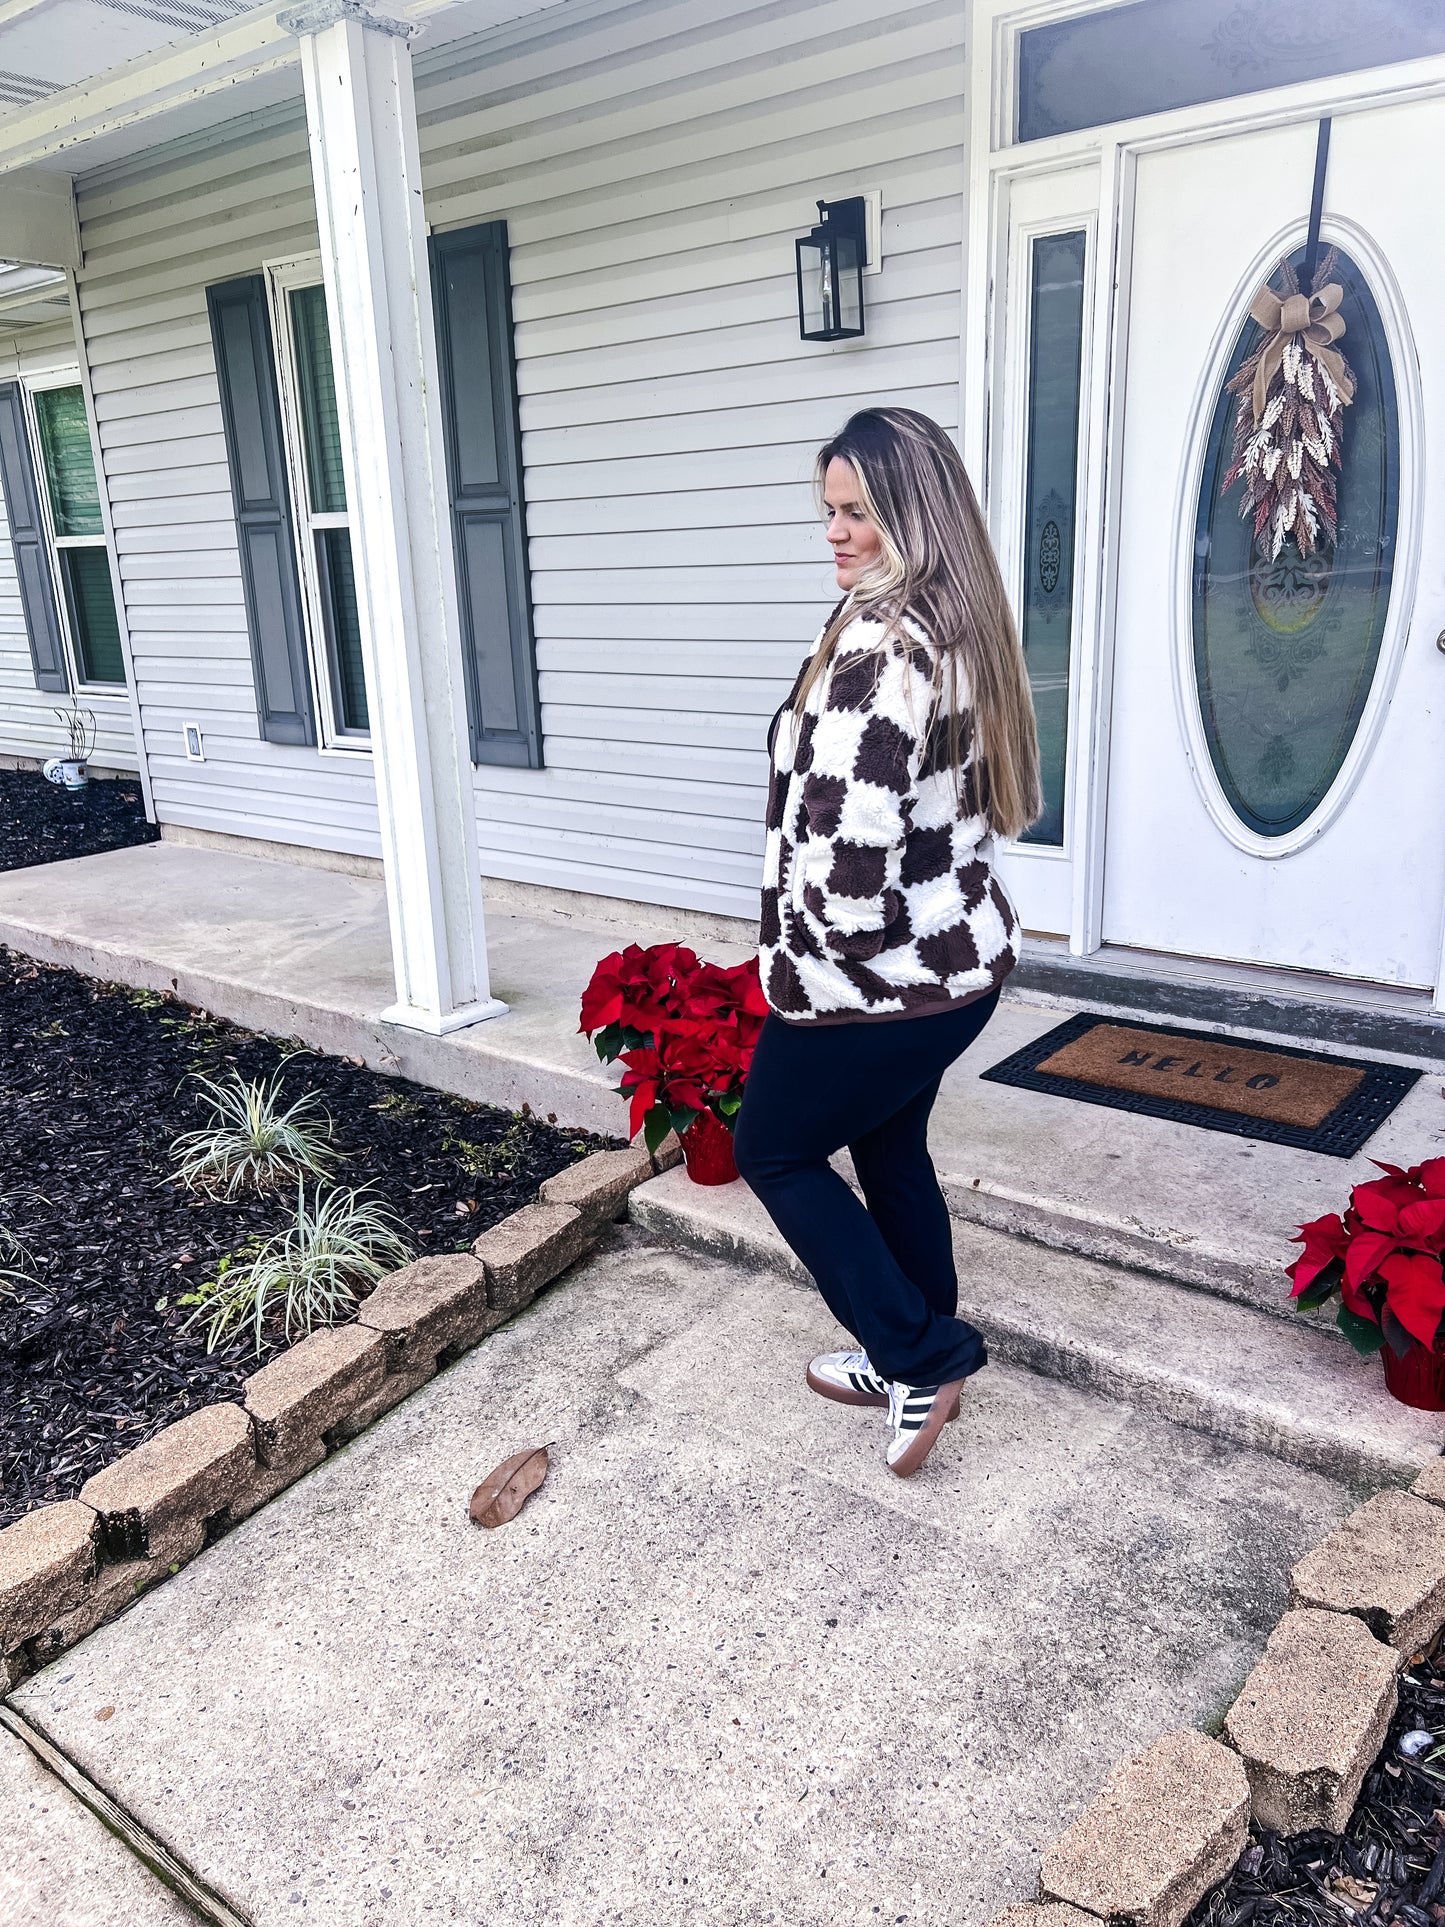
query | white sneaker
[848, 1378]
[918, 1414]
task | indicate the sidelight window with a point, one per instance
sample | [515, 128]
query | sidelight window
[1056, 334]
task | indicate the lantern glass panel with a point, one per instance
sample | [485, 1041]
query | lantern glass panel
[814, 282]
[847, 285]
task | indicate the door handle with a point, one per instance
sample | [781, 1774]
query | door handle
[1440, 642]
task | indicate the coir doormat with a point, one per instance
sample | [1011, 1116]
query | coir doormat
[1265, 1091]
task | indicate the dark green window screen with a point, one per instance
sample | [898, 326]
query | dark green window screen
[1056, 335]
[320, 425]
[68, 463]
[343, 627]
[91, 605]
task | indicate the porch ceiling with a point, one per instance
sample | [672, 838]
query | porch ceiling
[87, 82]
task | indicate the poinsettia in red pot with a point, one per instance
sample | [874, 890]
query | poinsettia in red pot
[1383, 1258]
[684, 1031]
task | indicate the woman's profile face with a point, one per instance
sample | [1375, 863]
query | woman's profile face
[852, 536]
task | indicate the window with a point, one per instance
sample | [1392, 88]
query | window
[312, 429]
[76, 531]
[1056, 334]
[1286, 646]
[1145, 58]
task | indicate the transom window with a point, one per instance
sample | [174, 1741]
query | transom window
[313, 432]
[1153, 55]
[76, 531]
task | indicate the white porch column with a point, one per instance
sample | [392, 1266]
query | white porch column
[366, 170]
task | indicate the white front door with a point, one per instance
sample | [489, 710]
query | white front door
[1276, 788]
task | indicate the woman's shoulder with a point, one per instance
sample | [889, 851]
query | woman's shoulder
[881, 625]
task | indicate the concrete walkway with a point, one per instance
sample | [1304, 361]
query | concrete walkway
[724, 1669]
[58, 1865]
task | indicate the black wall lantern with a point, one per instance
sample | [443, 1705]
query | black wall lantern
[831, 261]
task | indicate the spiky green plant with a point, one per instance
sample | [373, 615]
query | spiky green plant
[337, 1246]
[251, 1142]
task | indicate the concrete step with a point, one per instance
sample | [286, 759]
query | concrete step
[1200, 1361]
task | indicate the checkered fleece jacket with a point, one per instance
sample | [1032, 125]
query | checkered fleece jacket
[879, 896]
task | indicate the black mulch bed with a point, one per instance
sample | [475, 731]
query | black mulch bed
[1389, 1864]
[95, 1084]
[40, 822]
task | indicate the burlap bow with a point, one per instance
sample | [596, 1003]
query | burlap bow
[1317, 324]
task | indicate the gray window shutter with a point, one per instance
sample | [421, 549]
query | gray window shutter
[251, 407]
[473, 299]
[27, 540]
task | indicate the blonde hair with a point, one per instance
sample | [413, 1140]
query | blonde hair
[938, 567]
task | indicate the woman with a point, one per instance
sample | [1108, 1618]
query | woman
[907, 744]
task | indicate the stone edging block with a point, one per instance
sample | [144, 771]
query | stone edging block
[429, 1307]
[1430, 1484]
[529, 1249]
[312, 1386]
[47, 1560]
[1043, 1913]
[600, 1185]
[1167, 1825]
[187, 1473]
[1385, 1564]
[1311, 1718]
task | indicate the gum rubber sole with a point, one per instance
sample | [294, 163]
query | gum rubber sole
[843, 1394]
[945, 1407]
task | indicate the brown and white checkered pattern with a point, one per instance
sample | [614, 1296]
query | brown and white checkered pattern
[879, 895]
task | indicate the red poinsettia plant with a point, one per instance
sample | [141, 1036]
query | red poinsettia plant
[684, 1030]
[1383, 1257]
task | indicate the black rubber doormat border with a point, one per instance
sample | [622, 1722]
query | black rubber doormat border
[1349, 1125]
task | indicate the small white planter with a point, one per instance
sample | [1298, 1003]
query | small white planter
[69, 774]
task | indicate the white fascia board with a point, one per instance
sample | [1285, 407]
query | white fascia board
[144, 88]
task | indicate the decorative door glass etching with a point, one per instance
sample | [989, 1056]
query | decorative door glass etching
[1285, 649]
[1056, 335]
[1153, 55]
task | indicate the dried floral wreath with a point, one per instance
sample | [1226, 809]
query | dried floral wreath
[1292, 392]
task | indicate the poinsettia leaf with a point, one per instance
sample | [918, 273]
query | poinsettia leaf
[682, 1115]
[1367, 1252]
[608, 1043]
[1396, 1337]
[655, 1127]
[1376, 1210]
[1424, 1220]
[1416, 1293]
[1315, 1295]
[730, 1103]
[1363, 1334]
[1431, 1177]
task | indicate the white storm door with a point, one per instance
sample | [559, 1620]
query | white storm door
[1277, 759]
[1037, 507]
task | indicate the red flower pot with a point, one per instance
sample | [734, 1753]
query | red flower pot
[1416, 1379]
[707, 1151]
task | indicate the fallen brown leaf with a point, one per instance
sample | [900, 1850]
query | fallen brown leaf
[105, 1712]
[503, 1493]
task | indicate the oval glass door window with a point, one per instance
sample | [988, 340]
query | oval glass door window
[1285, 650]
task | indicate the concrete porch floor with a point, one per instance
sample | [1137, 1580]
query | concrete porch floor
[304, 952]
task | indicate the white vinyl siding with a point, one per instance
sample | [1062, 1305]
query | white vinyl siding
[28, 725]
[653, 164]
[156, 235]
